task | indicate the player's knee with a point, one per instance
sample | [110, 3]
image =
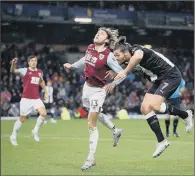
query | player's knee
[22, 118]
[155, 106]
[90, 125]
[145, 109]
[43, 113]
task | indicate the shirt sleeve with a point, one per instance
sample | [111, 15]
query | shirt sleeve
[114, 65]
[22, 71]
[80, 63]
[183, 83]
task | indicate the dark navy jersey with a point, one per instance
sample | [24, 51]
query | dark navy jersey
[153, 61]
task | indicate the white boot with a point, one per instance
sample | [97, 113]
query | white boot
[188, 121]
[160, 148]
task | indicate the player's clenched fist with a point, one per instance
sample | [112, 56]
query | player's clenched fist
[67, 66]
[14, 61]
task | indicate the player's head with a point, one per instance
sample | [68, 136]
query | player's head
[121, 50]
[106, 36]
[32, 61]
[49, 83]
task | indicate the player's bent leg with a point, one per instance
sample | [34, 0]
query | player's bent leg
[25, 109]
[153, 122]
[17, 125]
[116, 133]
[185, 115]
[156, 101]
[93, 140]
[40, 121]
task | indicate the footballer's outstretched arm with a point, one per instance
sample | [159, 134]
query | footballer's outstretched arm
[79, 64]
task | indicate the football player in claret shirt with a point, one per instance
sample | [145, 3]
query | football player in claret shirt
[32, 78]
[97, 61]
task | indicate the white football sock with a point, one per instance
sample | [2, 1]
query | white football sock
[16, 128]
[93, 141]
[106, 122]
[40, 121]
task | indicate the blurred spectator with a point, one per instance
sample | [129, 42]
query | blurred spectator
[5, 101]
[131, 8]
[67, 85]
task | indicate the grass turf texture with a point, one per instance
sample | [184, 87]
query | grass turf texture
[63, 148]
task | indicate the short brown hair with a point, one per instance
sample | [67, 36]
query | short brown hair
[31, 57]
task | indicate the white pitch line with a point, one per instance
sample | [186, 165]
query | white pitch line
[101, 139]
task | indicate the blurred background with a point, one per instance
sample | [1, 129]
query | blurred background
[60, 32]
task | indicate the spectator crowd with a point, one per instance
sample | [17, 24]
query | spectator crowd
[68, 84]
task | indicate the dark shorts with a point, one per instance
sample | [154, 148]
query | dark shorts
[168, 85]
[48, 105]
[176, 102]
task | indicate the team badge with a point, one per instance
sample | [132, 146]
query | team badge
[101, 56]
[40, 75]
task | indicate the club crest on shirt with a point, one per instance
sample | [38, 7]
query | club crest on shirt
[30, 72]
[101, 56]
[40, 75]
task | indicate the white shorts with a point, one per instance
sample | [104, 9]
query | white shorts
[29, 105]
[93, 98]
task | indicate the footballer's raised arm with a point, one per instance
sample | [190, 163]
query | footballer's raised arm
[20, 71]
[13, 66]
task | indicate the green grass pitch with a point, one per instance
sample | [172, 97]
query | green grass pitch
[64, 147]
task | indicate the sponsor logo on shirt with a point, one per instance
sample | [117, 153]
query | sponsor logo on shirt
[101, 56]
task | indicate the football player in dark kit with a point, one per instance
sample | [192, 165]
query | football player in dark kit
[168, 78]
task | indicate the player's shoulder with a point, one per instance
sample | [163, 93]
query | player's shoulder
[39, 70]
[110, 57]
[136, 47]
[23, 68]
[91, 46]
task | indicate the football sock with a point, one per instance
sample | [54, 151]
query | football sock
[167, 123]
[40, 121]
[155, 126]
[106, 122]
[167, 108]
[16, 127]
[93, 141]
[175, 123]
